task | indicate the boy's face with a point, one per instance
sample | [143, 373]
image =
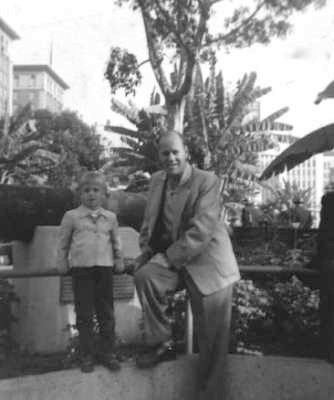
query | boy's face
[92, 195]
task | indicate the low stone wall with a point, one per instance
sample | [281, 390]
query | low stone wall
[42, 318]
[247, 378]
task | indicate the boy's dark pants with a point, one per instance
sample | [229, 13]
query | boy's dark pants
[93, 293]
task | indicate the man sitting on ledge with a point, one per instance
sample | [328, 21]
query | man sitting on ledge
[184, 242]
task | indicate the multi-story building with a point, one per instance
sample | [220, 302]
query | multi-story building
[38, 85]
[313, 174]
[328, 170]
[7, 34]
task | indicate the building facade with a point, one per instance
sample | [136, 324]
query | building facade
[314, 174]
[38, 85]
[328, 170]
[7, 35]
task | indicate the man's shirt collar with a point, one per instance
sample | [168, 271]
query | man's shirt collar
[185, 175]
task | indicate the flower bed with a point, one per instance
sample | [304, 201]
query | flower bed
[275, 317]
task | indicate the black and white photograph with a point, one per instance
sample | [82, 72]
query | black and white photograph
[166, 195]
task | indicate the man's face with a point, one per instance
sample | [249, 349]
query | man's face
[92, 195]
[172, 155]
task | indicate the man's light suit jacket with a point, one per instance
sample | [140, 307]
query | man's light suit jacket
[200, 241]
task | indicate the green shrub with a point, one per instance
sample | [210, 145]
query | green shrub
[268, 317]
[7, 297]
[275, 318]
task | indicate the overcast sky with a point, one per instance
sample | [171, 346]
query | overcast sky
[296, 68]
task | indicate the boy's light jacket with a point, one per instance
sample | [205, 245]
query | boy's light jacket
[88, 238]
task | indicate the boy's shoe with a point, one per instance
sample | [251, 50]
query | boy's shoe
[110, 361]
[87, 364]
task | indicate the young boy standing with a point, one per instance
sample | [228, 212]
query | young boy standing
[90, 246]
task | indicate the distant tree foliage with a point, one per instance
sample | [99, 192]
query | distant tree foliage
[78, 145]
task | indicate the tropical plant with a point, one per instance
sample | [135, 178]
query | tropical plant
[281, 202]
[225, 133]
[138, 152]
[178, 34]
[24, 155]
[221, 131]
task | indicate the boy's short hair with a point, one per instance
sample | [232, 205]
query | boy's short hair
[93, 177]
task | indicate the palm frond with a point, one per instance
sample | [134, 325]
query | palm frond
[259, 92]
[220, 99]
[130, 113]
[48, 155]
[241, 98]
[130, 142]
[120, 130]
[265, 126]
[276, 114]
[246, 171]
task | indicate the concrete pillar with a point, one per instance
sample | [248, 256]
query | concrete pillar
[128, 313]
[42, 321]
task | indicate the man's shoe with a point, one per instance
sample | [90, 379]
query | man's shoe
[87, 364]
[110, 361]
[165, 352]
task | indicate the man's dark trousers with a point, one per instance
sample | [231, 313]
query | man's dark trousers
[93, 293]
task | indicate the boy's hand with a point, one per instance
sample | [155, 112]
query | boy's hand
[119, 267]
[131, 265]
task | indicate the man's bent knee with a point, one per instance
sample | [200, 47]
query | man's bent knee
[142, 276]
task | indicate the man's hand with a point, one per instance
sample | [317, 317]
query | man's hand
[130, 266]
[119, 267]
[161, 259]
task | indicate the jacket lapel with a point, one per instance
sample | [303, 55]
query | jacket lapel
[156, 198]
[180, 199]
[178, 205]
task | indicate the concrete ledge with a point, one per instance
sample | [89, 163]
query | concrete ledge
[247, 378]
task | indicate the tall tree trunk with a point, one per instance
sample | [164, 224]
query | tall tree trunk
[175, 116]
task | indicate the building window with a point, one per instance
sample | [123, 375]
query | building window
[2, 44]
[32, 81]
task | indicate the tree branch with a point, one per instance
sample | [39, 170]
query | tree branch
[143, 62]
[171, 25]
[235, 30]
[153, 56]
[186, 79]
[190, 61]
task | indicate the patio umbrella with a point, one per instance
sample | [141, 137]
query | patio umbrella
[327, 93]
[315, 142]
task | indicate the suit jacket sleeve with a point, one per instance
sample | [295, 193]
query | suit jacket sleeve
[146, 251]
[201, 226]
